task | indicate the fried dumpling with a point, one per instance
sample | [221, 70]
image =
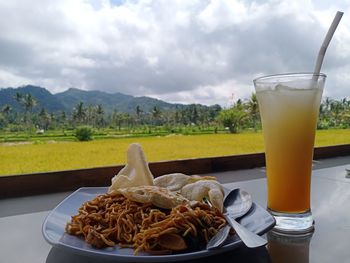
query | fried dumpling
[205, 189]
[135, 173]
[175, 181]
[158, 196]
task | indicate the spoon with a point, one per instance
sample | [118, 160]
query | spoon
[237, 203]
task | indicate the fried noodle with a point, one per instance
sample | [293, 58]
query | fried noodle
[111, 219]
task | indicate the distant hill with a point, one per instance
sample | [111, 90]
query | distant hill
[109, 101]
[44, 98]
[67, 100]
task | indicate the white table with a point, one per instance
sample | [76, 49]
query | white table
[21, 239]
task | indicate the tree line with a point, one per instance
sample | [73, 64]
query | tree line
[245, 114]
[31, 118]
[241, 115]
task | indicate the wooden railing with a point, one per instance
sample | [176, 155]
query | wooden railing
[49, 182]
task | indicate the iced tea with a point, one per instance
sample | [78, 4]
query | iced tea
[289, 106]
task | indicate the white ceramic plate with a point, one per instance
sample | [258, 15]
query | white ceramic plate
[257, 220]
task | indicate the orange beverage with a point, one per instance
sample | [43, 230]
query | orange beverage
[289, 108]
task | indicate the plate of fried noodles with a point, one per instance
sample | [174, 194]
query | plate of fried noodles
[141, 218]
[96, 222]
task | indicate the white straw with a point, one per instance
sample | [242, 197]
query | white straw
[326, 41]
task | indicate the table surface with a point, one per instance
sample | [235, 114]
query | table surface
[21, 239]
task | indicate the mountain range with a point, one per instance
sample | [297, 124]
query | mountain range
[67, 100]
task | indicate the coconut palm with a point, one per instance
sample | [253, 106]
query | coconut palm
[28, 102]
[139, 112]
[6, 111]
[44, 119]
[91, 115]
[79, 113]
[100, 115]
[336, 109]
[253, 109]
[156, 113]
[62, 120]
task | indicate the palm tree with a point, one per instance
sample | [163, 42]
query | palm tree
[322, 111]
[4, 115]
[79, 113]
[190, 114]
[99, 115]
[204, 117]
[253, 109]
[128, 120]
[156, 113]
[139, 112]
[28, 102]
[177, 114]
[18, 97]
[239, 104]
[6, 111]
[117, 119]
[91, 116]
[336, 108]
[327, 102]
[44, 119]
[62, 120]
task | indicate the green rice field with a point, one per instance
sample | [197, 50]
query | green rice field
[30, 157]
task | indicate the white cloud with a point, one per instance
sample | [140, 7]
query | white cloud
[224, 94]
[219, 15]
[8, 77]
[185, 51]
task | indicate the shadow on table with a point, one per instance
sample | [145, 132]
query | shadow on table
[243, 254]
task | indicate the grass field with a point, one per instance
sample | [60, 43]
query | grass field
[19, 158]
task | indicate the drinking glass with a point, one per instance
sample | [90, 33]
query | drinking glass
[289, 248]
[289, 106]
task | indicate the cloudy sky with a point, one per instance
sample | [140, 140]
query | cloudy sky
[190, 51]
